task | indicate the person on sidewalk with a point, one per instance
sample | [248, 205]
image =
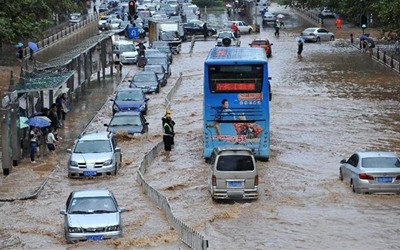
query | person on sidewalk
[299, 48]
[51, 142]
[54, 121]
[64, 106]
[34, 139]
[94, 10]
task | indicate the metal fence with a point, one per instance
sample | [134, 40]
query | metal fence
[310, 15]
[385, 59]
[187, 234]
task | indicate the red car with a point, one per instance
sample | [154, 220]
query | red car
[262, 43]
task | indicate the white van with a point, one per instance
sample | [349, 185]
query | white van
[233, 173]
[126, 50]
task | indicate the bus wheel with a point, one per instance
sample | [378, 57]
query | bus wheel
[207, 160]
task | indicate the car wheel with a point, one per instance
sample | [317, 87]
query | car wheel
[340, 175]
[115, 170]
[158, 89]
[318, 39]
[332, 38]
[353, 187]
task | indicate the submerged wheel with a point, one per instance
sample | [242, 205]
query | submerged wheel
[332, 38]
[340, 175]
[318, 39]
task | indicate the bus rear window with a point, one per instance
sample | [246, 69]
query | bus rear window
[235, 78]
[235, 163]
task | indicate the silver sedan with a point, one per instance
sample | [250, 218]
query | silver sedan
[372, 172]
[92, 215]
[317, 35]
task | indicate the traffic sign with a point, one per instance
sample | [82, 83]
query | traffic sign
[133, 32]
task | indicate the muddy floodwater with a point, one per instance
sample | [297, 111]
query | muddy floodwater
[327, 105]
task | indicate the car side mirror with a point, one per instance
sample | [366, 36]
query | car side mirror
[69, 151]
[146, 123]
[250, 44]
[105, 125]
[63, 212]
[147, 99]
[112, 100]
[343, 161]
[128, 81]
[122, 209]
[118, 149]
[272, 44]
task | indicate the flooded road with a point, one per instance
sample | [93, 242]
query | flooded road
[325, 106]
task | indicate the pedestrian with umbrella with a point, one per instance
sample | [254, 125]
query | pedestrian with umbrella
[32, 49]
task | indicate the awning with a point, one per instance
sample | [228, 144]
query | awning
[44, 82]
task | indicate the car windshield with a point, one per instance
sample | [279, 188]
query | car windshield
[235, 163]
[144, 14]
[169, 35]
[89, 205]
[126, 48]
[158, 61]
[97, 146]
[380, 162]
[105, 18]
[260, 43]
[157, 69]
[144, 78]
[309, 30]
[126, 120]
[223, 35]
[116, 21]
[164, 49]
[129, 96]
[74, 17]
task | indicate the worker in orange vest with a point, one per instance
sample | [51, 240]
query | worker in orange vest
[338, 23]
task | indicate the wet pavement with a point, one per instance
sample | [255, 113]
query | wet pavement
[332, 102]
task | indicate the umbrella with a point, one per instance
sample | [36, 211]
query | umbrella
[368, 39]
[228, 6]
[37, 122]
[33, 46]
[22, 121]
[61, 91]
[300, 39]
[280, 16]
[44, 118]
[18, 45]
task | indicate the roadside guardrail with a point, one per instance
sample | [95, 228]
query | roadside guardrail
[188, 235]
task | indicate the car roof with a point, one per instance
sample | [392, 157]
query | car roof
[95, 136]
[376, 154]
[144, 73]
[123, 42]
[154, 66]
[127, 113]
[260, 40]
[130, 90]
[92, 193]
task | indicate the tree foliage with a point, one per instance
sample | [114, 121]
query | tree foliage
[26, 19]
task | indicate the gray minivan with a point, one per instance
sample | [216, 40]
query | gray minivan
[233, 173]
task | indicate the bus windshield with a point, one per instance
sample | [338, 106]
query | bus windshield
[235, 78]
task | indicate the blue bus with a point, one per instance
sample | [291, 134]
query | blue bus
[236, 100]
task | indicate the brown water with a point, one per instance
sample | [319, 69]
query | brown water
[325, 106]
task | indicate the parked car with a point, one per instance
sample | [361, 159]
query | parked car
[75, 18]
[159, 59]
[197, 29]
[92, 215]
[317, 35]
[371, 172]
[132, 122]
[268, 17]
[94, 154]
[165, 50]
[160, 72]
[130, 100]
[126, 50]
[233, 173]
[262, 43]
[226, 39]
[242, 26]
[145, 80]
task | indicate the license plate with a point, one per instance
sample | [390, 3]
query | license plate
[89, 173]
[235, 183]
[130, 61]
[384, 179]
[97, 237]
